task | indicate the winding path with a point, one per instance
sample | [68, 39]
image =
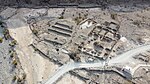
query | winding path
[127, 55]
[119, 59]
[70, 66]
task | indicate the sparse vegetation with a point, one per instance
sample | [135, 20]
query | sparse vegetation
[13, 43]
[11, 50]
[19, 80]
[2, 24]
[6, 34]
[14, 78]
[49, 24]
[79, 18]
[1, 40]
[13, 54]
[15, 62]
[23, 76]
[61, 17]
[114, 16]
[6, 31]
[137, 23]
[35, 32]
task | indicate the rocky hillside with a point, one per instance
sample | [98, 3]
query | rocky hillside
[31, 3]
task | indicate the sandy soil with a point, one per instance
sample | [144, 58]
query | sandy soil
[68, 79]
[34, 65]
[38, 68]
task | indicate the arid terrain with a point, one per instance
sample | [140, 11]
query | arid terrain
[67, 43]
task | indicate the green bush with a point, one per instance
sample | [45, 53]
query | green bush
[15, 62]
[6, 31]
[34, 31]
[6, 34]
[13, 54]
[13, 43]
[14, 78]
[1, 40]
[61, 17]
